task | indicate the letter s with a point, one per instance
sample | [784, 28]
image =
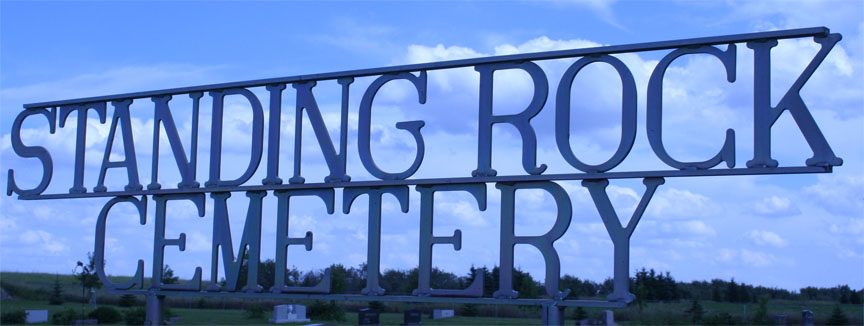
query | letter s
[38, 152]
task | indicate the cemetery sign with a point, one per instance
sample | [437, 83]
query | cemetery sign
[595, 177]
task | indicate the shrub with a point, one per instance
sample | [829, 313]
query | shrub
[761, 317]
[326, 311]
[13, 317]
[128, 300]
[469, 310]
[254, 311]
[106, 315]
[66, 317]
[377, 306]
[135, 316]
[167, 312]
[723, 318]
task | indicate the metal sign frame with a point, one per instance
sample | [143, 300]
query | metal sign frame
[594, 177]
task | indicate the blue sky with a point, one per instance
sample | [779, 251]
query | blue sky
[783, 231]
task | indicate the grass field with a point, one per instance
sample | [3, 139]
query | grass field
[32, 289]
[237, 317]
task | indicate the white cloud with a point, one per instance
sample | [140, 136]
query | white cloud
[839, 194]
[465, 211]
[757, 258]
[766, 238]
[112, 81]
[689, 228]
[43, 240]
[672, 203]
[776, 206]
[749, 258]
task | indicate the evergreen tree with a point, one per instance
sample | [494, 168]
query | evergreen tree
[744, 293]
[56, 292]
[837, 317]
[732, 292]
[856, 297]
[580, 313]
[524, 284]
[844, 294]
[696, 312]
[715, 293]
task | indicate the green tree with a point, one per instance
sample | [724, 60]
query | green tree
[856, 297]
[580, 313]
[837, 317]
[56, 292]
[87, 275]
[761, 317]
[844, 294]
[168, 276]
[732, 292]
[524, 284]
[338, 278]
[715, 290]
[469, 310]
[641, 296]
[696, 312]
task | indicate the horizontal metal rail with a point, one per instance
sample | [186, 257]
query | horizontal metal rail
[462, 180]
[383, 298]
[637, 47]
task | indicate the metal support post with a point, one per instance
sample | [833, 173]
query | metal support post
[552, 314]
[155, 309]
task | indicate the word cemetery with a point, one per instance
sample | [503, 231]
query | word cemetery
[595, 177]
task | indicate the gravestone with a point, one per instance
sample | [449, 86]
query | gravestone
[607, 318]
[36, 316]
[779, 319]
[368, 316]
[807, 318]
[442, 313]
[412, 317]
[288, 313]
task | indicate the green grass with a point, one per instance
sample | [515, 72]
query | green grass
[31, 291]
[36, 285]
[237, 317]
[654, 313]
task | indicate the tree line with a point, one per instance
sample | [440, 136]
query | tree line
[648, 285]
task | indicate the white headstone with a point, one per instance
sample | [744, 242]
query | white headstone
[442, 313]
[289, 314]
[36, 316]
[607, 318]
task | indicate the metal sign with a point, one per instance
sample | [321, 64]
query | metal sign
[395, 183]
